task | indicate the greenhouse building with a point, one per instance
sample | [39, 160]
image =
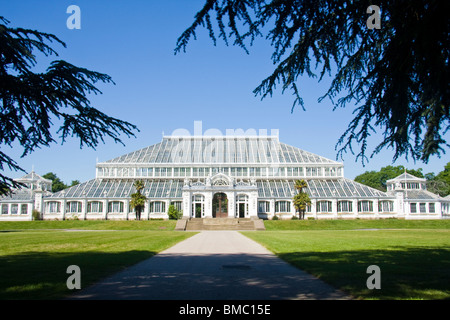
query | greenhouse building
[223, 177]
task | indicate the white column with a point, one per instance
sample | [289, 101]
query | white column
[375, 208]
[437, 208]
[231, 196]
[38, 202]
[63, 208]
[355, 207]
[187, 204]
[145, 213]
[167, 201]
[84, 209]
[293, 208]
[314, 208]
[253, 204]
[272, 206]
[407, 208]
[208, 204]
[126, 209]
[400, 204]
[334, 208]
[30, 210]
[105, 209]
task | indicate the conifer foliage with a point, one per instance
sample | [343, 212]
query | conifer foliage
[31, 103]
[396, 77]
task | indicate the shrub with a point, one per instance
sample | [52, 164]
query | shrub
[173, 213]
[36, 214]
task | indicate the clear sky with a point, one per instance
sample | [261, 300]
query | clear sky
[133, 42]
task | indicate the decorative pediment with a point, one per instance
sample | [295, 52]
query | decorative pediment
[242, 183]
[221, 179]
[220, 182]
[198, 184]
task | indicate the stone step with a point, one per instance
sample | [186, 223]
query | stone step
[224, 224]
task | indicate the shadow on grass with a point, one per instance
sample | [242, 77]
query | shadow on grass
[43, 275]
[415, 273]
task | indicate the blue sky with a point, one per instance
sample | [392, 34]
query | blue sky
[133, 41]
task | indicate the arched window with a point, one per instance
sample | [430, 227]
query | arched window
[365, 206]
[157, 207]
[345, 206]
[115, 207]
[53, 207]
[73, 206]
[263, 206]
[386, 206]
[282, 206]
[324, 206]
[95, 207]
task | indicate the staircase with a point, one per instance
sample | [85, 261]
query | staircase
[198, 224]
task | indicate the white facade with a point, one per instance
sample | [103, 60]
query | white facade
[229, 176]
[19, 205]
[414, 201]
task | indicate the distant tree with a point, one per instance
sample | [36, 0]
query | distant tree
[74, 183]
[377, 179]
[57, 184]
[439, 187]
[396, 77]
[30, 103]
[440, 184]
[138, 199]
[301, 200]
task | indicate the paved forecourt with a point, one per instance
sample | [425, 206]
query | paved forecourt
[212, 265]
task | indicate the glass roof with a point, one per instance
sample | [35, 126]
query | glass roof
[405, 177]
[223, 150]
[115, 188]
[418, 195]
[18, 195]
[172, 188]
[318, 188]
[33, 177]
[23, 194]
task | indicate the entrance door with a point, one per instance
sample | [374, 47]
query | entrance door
[241, 206]
[198, 206]
[241, 210]
[220, 205]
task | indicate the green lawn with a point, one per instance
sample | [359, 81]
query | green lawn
[414, 256]
[414, 261]
[279, 225]
[160, 225]
[34, 256]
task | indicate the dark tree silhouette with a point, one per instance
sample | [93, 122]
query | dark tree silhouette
[397, 77]
[30, 102]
